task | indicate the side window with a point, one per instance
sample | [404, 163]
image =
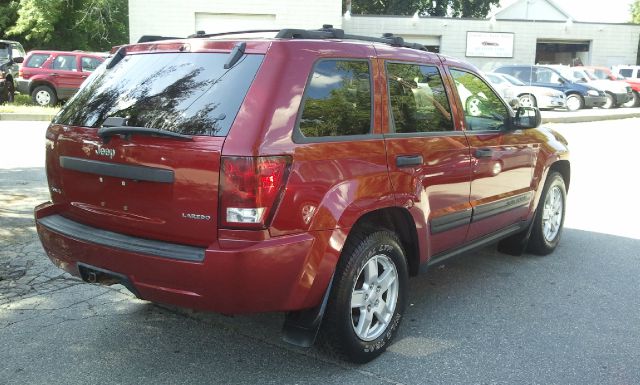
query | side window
[523, 74]
[36, 60]
[89, 64]
[625, 72]
[337, 100]
[483, 109]
[65, 63]
[17, 51]
[544, 75]
[417, 99]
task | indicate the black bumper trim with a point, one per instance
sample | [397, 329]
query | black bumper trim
[78, 231]
[141, 173]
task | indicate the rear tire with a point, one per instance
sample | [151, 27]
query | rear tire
[7, 93]
[574, 102]
[368, 297]
[44, 96]
[549, 218]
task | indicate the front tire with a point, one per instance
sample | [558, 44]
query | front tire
[635, 100]
[44, 96]
[611, 102]
[368, 297]
[549, 219]
[574, 102]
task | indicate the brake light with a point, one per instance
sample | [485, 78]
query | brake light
[250, 189]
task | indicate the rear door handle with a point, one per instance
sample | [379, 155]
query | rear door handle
[484, 153]
[409, 161]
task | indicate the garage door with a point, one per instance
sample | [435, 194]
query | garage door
[223, 22]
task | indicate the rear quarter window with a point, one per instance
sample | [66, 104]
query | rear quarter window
[37, 60]
[337, 99]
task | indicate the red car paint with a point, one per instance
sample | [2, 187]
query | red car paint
[331, 187]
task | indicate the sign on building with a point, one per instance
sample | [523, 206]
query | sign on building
[489, 44]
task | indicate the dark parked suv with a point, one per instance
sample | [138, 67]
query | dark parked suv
[579, 95]
[311, 173]
[51, 76]
[11, 55]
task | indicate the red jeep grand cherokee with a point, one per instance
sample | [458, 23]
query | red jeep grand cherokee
[50, 76]
[310, 173]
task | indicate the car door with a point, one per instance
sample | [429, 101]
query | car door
[502, 160]
[65, 75]
[545, 77]
[427, 155]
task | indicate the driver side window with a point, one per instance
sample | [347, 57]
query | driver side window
[483, 109]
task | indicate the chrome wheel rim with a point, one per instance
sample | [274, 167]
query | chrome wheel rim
[552, 214]
[473, 107]
[573, 103]
[43, 98]
[526, 101]
[374, 297]
[632, 102]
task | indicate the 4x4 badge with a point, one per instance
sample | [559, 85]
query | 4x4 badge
[110, 152]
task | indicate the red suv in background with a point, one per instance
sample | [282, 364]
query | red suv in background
[51, 76]
[311, 173]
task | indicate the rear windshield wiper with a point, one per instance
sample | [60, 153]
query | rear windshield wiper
[107, 132]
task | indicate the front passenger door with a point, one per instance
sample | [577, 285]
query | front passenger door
[502, 160]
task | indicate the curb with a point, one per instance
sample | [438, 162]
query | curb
[590, 117]
[25, 117]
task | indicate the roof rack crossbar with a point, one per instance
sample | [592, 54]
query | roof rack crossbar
[201, 34]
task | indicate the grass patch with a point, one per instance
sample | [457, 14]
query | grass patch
[22, 104]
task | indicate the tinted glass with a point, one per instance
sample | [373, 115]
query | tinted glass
[417, 99]
[626, 72]
[36, 60]
[186, 93]
[337, 100]
[545, 75]
[5, 50]
[89, 64]
[483, 109]
[65, 63]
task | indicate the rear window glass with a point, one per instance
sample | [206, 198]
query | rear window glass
[186, 93]
[36, 60]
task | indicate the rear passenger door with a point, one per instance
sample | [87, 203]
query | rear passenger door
[502, 160]
[65, 75]
[428, 156]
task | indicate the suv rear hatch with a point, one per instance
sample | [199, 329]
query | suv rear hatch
[137, 149]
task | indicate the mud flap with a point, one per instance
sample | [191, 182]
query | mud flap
[516, 244]
[300, 328]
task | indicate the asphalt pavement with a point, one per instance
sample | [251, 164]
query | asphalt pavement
[486, 318]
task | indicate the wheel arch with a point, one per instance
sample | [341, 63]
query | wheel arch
[564, 168]
[400, 221]
[39, 82]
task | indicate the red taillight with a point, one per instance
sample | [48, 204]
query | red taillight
[250, 187]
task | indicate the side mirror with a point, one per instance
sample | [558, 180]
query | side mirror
[514, 103]
[526, 117]
[18, 59]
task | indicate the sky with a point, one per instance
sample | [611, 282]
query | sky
[609, 11]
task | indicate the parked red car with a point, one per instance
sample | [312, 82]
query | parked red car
[605, 73]
[51, 76]
[310, 173]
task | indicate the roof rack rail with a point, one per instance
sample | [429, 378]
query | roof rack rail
[203, 34]
[328, 32]
[150, 38]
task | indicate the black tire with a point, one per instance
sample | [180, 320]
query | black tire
[44, 101]
[542, 242]
[527, 100]
[577, 104]
[611, 101]
[634, 102]
[9, 92]
[337, 334]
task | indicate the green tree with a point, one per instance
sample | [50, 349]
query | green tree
[635, 12]
[69, 24]
[455, 8]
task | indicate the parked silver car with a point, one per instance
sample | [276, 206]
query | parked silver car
[528, 96]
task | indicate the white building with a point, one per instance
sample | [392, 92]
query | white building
[525, 32]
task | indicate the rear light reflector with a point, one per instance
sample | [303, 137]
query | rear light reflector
[250, 189]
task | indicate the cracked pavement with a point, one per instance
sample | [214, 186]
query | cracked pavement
[485, 318]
